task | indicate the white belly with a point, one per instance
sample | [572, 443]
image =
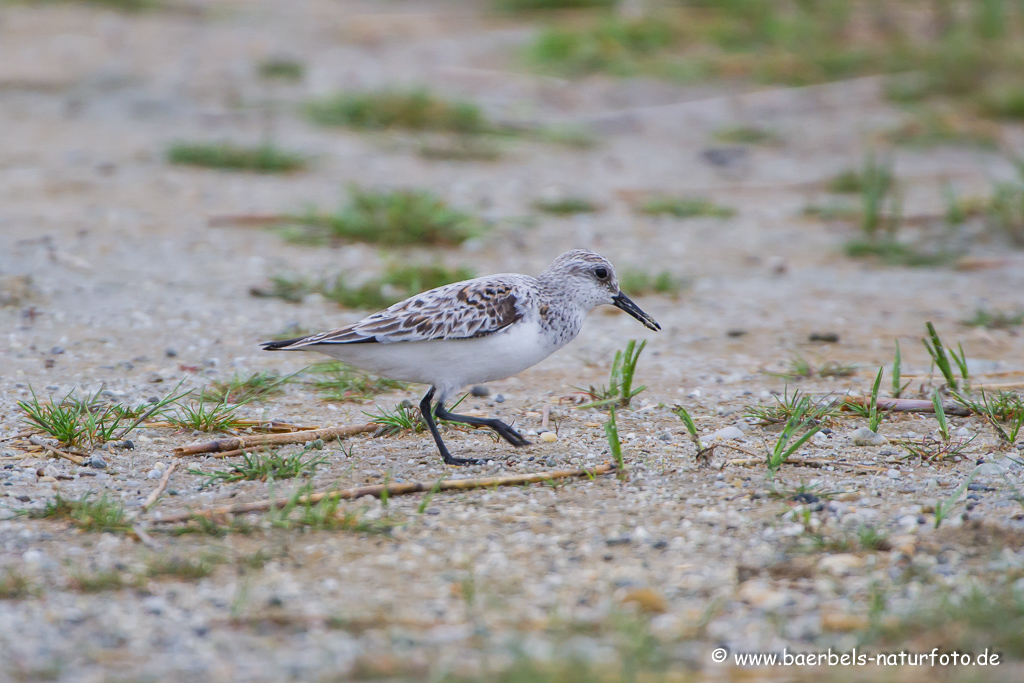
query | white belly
[450, 364]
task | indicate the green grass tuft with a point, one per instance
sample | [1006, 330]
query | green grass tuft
[611, 431]
[787, 406]
[324, 515]
[268, 466]
[392, 218]
[641, 283]
[568, 135]
[682, 207]
[118, 5]
[937, 52]
[746, 135]
[205, 526]
[459, 148]
[932, 128]
[255, 387]
[402, 418]
[541, 5]
[1004, 411]
[990, 617]
[566, 206]
[410, 110]
[407, 418]
[940, 356]
[802, 419]
[398, 283]
[337, 381]
[848, 181]
[265, 158]
[73, 421]
[98, 581]
[621, 46]
[281, 69]
[14, 585]
[1006, 212]
[180, 567]
[833, 211]
[993, 320]
[101, 514]
[798, 368]
[205, 414]
[892, 253]
[620, 389]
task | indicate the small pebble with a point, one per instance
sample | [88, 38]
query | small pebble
[865, 437]
[479, 390]
[548, 437]
[96, 461]
[727, 434]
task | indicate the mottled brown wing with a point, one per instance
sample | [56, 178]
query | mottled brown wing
[462, 310]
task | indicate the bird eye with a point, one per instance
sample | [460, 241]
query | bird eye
[601, 273]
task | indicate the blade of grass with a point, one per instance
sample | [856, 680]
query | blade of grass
[875, 417]
[938, 353]
[611, 430]
[940, 415]
[897, 369]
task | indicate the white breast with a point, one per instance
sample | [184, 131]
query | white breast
[451, 364]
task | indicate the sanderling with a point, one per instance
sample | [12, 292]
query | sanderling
[476, 331]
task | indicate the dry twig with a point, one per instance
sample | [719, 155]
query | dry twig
[55, 452]
[391, 490]
[909, 405]
[20, 435]
[240, 443]
[161, 485]
[145, 538]
[804, 462]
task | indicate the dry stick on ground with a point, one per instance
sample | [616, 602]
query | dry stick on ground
[56, 452]
[239, 443]
[910, 405]
[231, 454]
[392, 490]
[145, 538]
[722, 444]
[273, 427]
[804, 462]
[77, 459]
[152, 497]
[22, 435]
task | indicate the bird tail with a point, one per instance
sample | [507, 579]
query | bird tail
[284, 344]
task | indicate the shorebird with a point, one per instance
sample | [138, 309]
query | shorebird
[475, 331]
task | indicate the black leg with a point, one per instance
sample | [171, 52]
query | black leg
[502, 429]
[428, 417]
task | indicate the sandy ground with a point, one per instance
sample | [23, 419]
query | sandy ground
[132, 289]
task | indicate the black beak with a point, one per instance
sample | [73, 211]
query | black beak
[626, 304]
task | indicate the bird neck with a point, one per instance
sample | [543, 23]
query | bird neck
[560, 314]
